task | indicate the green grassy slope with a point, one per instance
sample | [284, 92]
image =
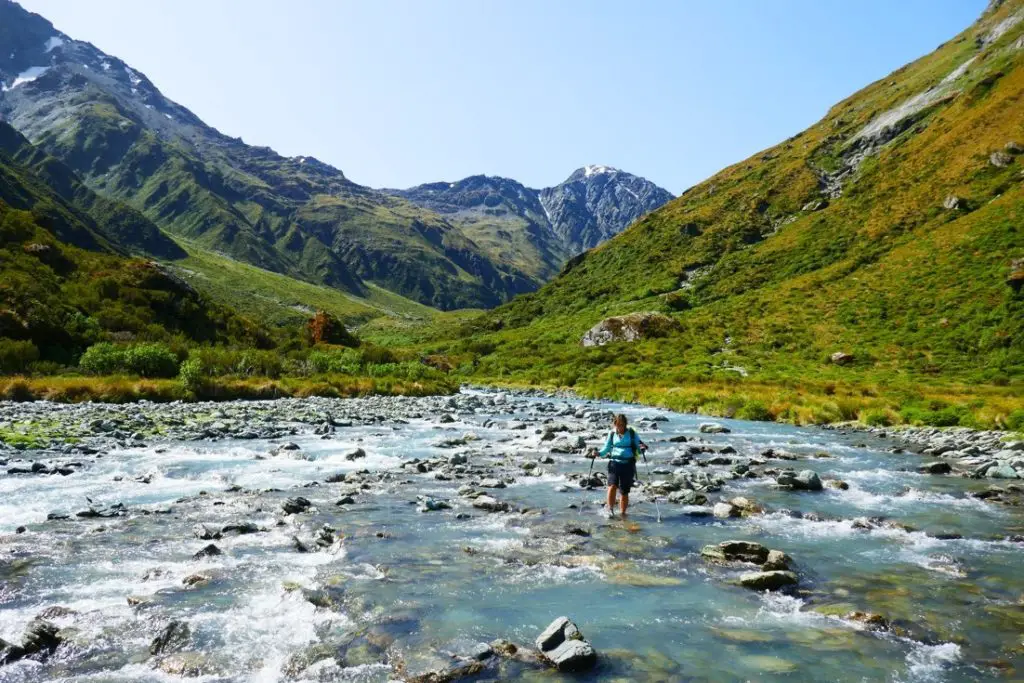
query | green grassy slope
[282, 301]
[770, 269]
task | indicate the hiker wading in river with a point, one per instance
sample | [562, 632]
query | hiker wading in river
[622, 448]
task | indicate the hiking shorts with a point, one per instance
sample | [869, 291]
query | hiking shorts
[621, 474]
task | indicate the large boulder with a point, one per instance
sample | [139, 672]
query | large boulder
[629, 328]
[562, 644]
[806, 480]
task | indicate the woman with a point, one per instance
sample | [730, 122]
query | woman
[622, 448]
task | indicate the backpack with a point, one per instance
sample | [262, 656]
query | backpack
[632, 441]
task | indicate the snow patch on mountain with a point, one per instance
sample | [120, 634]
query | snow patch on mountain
[53, 43]
[596, 169]
[27, 76]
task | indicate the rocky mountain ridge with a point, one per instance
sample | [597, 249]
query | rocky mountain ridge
[542, 229]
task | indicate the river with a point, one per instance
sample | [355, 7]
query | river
[393, 588]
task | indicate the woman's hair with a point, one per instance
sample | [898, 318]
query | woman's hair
[620, 421]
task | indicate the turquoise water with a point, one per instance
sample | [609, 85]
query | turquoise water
[404, 587]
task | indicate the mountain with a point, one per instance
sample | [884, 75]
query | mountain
[298, 216]
[598, 202]
[890, 231]
[65, 283]
[539, 230]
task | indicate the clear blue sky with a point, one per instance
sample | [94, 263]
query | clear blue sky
[397, 93]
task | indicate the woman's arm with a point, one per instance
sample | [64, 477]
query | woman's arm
[607, 447]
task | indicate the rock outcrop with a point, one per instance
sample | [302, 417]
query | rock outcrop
[629, 328]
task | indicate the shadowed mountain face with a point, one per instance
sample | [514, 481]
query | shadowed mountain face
[539, 230]
[298, 216]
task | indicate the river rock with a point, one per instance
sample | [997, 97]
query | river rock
[357, 454]
[490, 504]
[295, 505]
[209, 551]
[40, 637]
[805, 480]
[187, 664]
[688, 498]
[938, 467]
[713, 428]
[562, 644]
[768, 580]
[776, 560]
[1002, 472]
[10, 652]
[205, 532]
[725, 510]
[736, 551]
[872, 621]
[173, 638]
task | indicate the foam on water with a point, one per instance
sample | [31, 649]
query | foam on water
[930, 662]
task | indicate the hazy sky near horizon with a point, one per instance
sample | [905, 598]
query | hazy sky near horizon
[400, 92]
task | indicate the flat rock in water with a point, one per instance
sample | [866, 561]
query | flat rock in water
[714, 428]
[573, 656]
[490, 504]
[736, 551]
[770, 580]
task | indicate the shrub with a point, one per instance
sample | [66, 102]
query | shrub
[376, 355]
[675, 301]
[1015, 420]
[877, 417]
[17, 356]
[151, 360]
[191, 375]
[755, 410]
[102, 359]
[344, 361]
[145, 360]
[324, 328]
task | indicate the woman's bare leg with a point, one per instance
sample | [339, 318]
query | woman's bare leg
[623, 503]
[612, 490]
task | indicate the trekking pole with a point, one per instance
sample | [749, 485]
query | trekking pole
[583, 497]
[656, 506]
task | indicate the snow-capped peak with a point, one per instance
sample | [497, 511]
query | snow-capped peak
[594, 170]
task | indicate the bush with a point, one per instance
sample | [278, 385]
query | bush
[145, 360]
[376, 355]
[755, 410]
[191, 375]
[218, 362]
[1015, 420]
[877, 417]
[17, 356]
[102, 359]
[675, 301]
[345, 361]
[151, 360]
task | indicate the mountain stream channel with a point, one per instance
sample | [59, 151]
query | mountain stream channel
[433, 539]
